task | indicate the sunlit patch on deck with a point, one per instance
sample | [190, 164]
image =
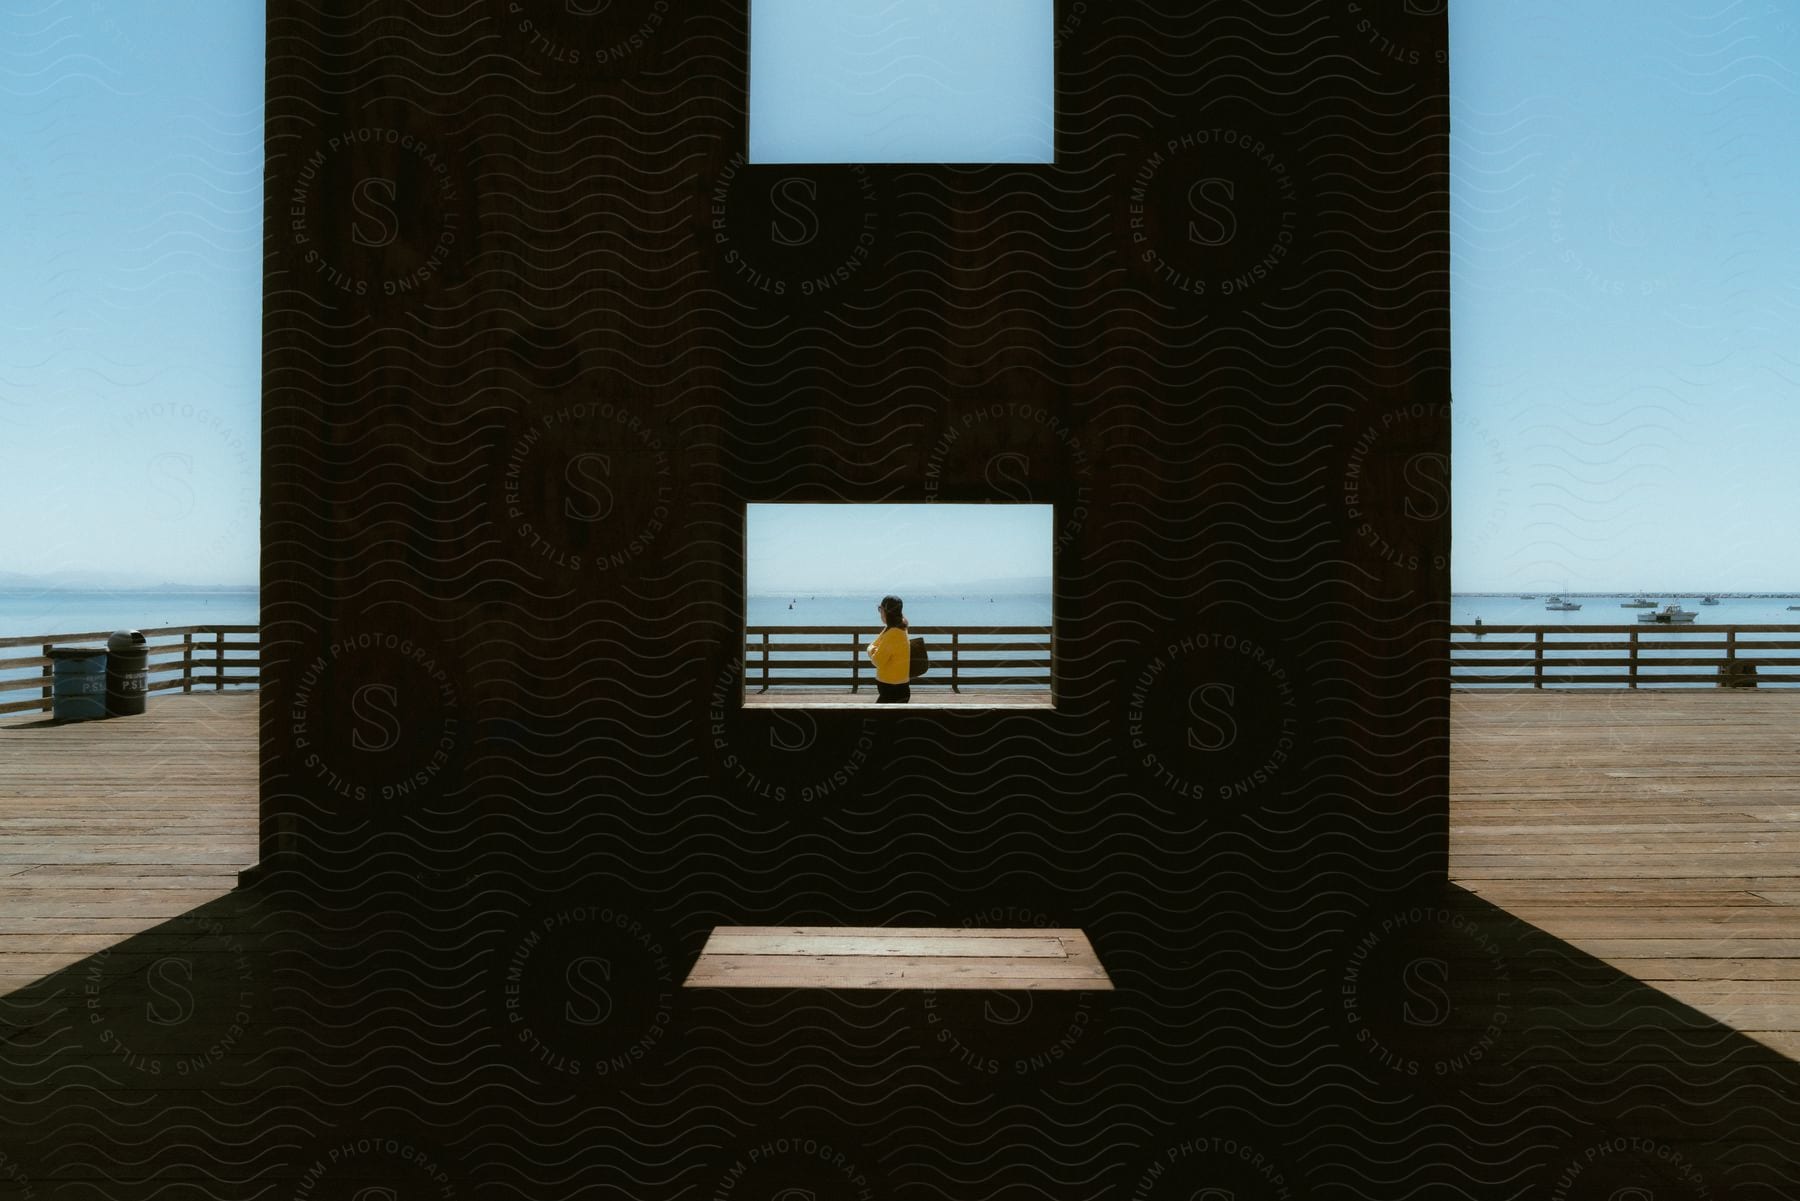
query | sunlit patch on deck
[896, 957]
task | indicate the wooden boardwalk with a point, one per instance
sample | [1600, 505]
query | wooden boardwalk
[1658, 831]
[108, 828]
[923, 697]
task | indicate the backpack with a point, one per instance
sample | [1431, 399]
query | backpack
[921, 660]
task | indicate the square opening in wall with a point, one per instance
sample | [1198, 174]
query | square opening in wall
[923, 604]
[902, 81]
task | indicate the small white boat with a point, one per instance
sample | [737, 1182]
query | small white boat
[1671, 615]
[1639, 602]
[1709, 600]
[1558, 605]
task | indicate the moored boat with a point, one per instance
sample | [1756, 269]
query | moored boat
[1670, 615]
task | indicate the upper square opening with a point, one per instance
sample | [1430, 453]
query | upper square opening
[902, 81]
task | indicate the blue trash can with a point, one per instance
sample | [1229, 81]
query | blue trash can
[78, 683]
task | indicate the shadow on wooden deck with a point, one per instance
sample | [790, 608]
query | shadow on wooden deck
[439, 1028]
[270, 1043]
[1657, 830]
[108, 827]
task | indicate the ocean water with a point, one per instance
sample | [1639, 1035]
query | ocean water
[30, 613]
[1605, 610]
[922, 611]
[1654, 641]
[40, 613]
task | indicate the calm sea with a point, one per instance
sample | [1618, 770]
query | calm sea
[24, 614]
[1514, 610]
[922, 611]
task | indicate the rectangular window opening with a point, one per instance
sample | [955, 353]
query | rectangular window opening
[974, 583]
[871, 81]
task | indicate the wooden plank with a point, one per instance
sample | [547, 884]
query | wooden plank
[859, 971]
[1080, 953]
[1522, 905]
[896, 957]
[892, 931]
[909, 946]
[1714, 968]
[819, 968]
[1612, 947]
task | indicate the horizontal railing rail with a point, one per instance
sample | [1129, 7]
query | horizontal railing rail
[1641, 655]
[835, 656]
[182, 658]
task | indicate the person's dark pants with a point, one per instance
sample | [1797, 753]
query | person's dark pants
[892, 694]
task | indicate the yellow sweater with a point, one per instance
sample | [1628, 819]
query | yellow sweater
[892, 656]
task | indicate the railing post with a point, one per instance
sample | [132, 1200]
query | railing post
[49, 682]
[187, 662]
[1634, 660]
[1731, 644]
[954, 651]
[219, 661]
[765, 661]
[855, 662]
[1538, 661]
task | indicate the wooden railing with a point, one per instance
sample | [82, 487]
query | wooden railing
[1644, 654]
[835, 656]
[192, 657]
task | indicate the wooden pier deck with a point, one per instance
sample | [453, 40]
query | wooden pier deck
[1658, 831]
[108, 828]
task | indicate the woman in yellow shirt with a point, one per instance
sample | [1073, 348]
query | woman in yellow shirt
[892, 655]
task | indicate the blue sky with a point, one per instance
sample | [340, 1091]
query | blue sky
[130, 318]
[900, 549]
[902, 81]
[1625, 295]
[1625, 282]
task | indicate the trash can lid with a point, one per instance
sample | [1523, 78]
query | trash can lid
[76, 652]
[124, 640]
